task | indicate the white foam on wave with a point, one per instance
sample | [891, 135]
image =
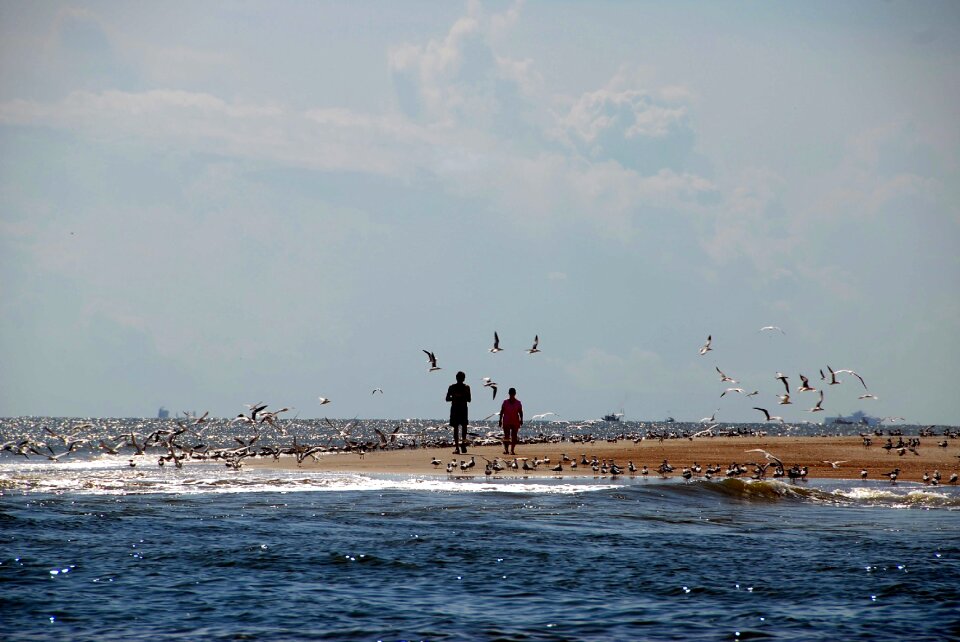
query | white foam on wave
[905, 497]
[340, 482]
[113, 475]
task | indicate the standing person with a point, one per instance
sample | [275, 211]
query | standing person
[511, 418]
[458, 394]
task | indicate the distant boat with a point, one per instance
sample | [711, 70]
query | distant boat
[859, 417]
[613, 416]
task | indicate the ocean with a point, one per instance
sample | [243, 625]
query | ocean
[94, 549]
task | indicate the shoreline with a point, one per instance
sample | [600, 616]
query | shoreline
[814, 452]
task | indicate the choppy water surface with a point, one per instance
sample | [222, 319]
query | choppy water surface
[93, 549]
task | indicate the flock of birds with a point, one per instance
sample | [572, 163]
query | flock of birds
[753, 469]
[785, 398]
[487, 381]
[608, 467]
[185, 441]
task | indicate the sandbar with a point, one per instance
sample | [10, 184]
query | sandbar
[814, 452]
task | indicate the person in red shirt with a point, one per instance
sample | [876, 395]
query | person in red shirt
[511, 418]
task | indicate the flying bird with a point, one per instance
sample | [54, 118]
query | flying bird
[782, 377]
[864, 383]
[536, 341]
[772, 327]
[805, 385]
[724, 377]
[834, 464]
[496, 344]
[376, 390]
[323, 400]
[833, 376]
[705, 348]
[722, 394]
[433, 360]
[768, 456]
[768, 416]
[819, 406]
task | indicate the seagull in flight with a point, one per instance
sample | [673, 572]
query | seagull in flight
[768, 456]
[782, 377]
[833, 376]
[819, 406]
[724, 377]
[772, 327]
[323, 400]
[541, 416]
[722, 394]
[376, 390]
[868, 396]
[805, 385]
[433, 360]
[705, 348]
[834, 464]
[850, 372]
[496, 343]
[768, 416]
[536, 341]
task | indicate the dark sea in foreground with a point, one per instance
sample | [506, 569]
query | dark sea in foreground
[92, 549]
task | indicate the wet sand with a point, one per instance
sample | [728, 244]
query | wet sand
[801, 451]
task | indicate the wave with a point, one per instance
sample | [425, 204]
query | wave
[112, 475]
[843, 492]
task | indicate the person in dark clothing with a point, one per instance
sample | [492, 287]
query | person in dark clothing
[458, 395]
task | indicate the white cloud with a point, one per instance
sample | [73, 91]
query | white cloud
[629, 112]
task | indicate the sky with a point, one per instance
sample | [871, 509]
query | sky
[207, 205]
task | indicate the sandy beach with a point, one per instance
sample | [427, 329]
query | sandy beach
[813, 452]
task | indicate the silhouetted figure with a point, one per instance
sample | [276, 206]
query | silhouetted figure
[458, 395]
[511, 418]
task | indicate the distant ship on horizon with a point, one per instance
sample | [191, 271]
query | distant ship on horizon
[859, 417]
[163, 413]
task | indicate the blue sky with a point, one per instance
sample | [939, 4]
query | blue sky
[209, 204]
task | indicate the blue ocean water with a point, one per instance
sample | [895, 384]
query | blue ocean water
[91, 548]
